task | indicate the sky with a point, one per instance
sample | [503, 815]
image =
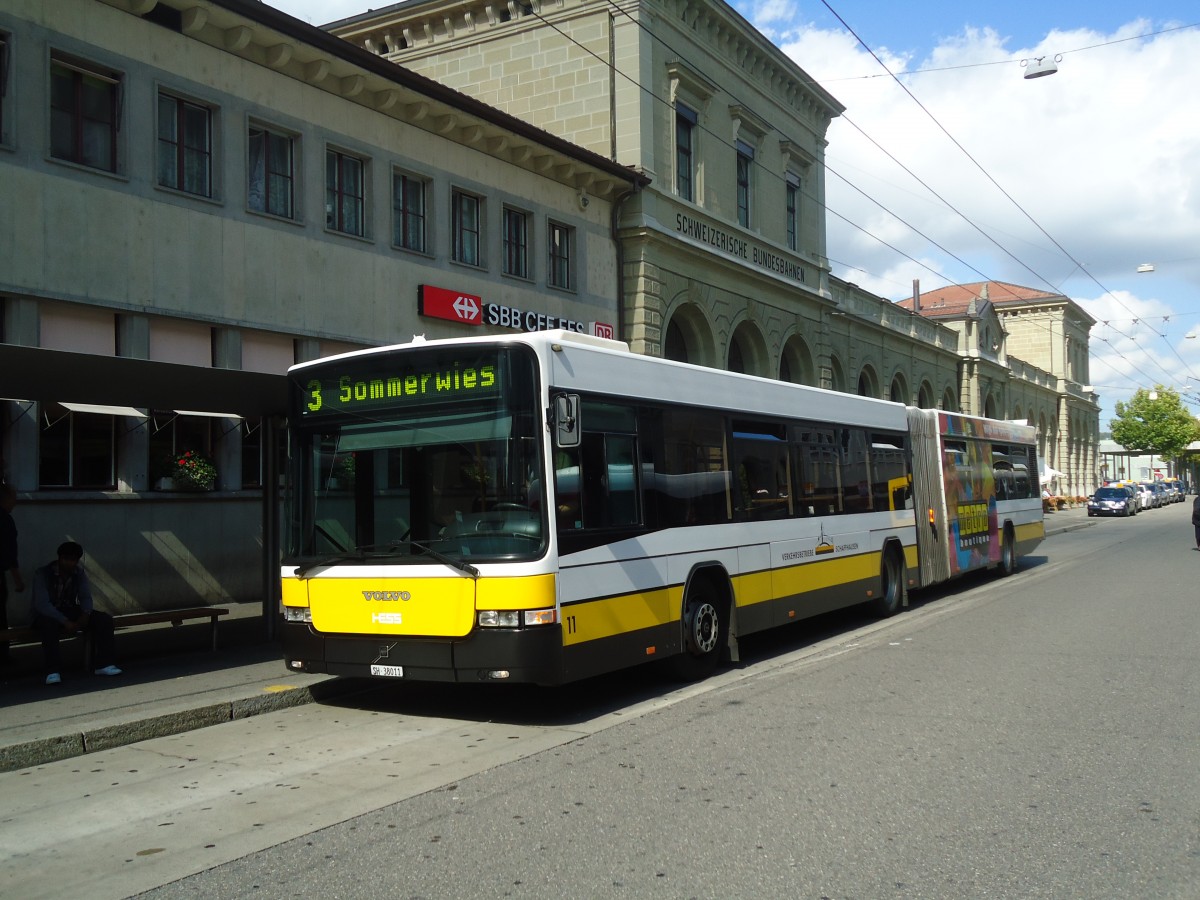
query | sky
[950, 167]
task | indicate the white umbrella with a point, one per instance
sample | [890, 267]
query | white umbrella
[1049, 473]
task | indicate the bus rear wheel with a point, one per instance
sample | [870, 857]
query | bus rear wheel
[891, 584]
[1008, 553]
[705, 632]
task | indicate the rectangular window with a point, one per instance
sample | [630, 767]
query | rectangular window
[818, 470]
[793, 206]
[685, 125]
[745, 159]
[76, 449]
[561, 273]
[345, 193]
[184, 145]
[516, 243]
[764, 472]
[172, 434]
[83, 115]
[692, 483]
[271, 173]
[465, 222]
[408, 212]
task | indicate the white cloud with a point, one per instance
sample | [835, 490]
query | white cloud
[1101, 157]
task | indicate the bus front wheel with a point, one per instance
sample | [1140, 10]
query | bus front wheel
[705, 632]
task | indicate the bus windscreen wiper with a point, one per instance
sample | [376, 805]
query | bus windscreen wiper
[362, 553]
[358, 553]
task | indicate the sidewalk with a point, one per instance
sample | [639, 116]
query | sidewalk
[172, 684]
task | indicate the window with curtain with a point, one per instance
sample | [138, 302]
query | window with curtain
[345, 193]
[467, 228]
[408, 212]
[516, 243]
[271, 172]
[184, 145]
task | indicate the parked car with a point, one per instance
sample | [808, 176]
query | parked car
[1162, 493]
[1148, 498]
[1176, 491]
[1112, 501]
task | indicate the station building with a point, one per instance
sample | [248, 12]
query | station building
[724, 254]
[1003, 325]
[197, 195]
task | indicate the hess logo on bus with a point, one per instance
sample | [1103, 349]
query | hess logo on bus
[386, 596]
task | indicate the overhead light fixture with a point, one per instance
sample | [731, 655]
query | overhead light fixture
[1041, 66]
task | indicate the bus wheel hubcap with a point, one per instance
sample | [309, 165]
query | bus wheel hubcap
[704, 628]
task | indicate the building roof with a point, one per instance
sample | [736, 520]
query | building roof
[955, 300]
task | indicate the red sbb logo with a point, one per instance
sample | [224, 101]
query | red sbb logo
[439, 303]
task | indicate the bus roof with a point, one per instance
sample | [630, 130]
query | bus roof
[585, 363]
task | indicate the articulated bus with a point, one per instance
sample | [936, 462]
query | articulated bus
[549, 506]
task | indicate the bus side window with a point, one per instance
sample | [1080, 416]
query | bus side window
[818, 476]
[567, 509]
[607, 480]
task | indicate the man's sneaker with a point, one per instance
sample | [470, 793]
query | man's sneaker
[53, 678]
[108, 670]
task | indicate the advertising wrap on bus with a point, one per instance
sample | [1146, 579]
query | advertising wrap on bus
[971, 504]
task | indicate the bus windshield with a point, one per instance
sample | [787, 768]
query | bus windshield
[418, 455]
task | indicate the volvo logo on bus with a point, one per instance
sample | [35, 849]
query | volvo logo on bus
[386, 596]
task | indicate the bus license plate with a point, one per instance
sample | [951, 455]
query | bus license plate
[388, 671]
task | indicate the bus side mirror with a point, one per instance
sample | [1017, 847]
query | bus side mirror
[566, 420]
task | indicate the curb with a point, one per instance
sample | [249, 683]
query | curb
[106, 737]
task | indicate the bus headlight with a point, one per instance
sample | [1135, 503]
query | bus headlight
[297, 614]
[516, 618]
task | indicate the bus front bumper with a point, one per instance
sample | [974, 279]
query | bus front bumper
[526, 655]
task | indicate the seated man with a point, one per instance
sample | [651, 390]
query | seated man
[62, 602]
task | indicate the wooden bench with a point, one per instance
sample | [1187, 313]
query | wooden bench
[24, 634]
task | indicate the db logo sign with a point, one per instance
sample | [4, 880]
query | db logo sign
[439, 303]
[604, 330]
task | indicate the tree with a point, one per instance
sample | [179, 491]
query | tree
[1154, 422]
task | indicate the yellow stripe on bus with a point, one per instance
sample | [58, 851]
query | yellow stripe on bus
[610, 616]
[825, 574]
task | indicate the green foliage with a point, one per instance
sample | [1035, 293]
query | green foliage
[193, 472]
[1155, 422]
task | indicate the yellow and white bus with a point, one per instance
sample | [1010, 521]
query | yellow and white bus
[549, 506]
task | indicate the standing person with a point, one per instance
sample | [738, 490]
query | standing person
[8, 559]
[62, 602]
[1196, 519]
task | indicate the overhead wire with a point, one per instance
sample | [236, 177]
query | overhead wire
[616, 9]
[1004, 192]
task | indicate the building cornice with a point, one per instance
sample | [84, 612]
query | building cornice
[268, 37]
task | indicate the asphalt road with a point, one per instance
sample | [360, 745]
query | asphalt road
[1027, 737]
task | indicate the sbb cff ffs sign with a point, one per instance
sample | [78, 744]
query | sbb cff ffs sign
[439, 303]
